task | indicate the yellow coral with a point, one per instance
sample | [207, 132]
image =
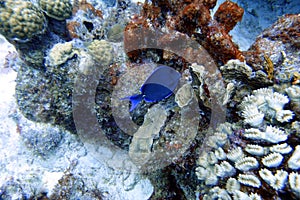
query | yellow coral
[21, 20]
[269, 67]
[60, 53]
[101, 51]
[57, 9]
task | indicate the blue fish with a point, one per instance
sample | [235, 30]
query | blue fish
[158, 86]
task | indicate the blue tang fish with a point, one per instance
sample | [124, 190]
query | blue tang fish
[158, 86]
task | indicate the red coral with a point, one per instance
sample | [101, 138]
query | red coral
[229, 14]
[190, 17]
[220, 44]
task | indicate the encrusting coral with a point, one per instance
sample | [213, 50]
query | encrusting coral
[142, 141]
[60, 53]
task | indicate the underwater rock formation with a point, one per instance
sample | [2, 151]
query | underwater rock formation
[276, 49]
[255, 155]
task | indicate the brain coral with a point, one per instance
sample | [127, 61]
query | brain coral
[102, 51]
[250, 160]
[239, 167]
[20, 20]
[57, 9]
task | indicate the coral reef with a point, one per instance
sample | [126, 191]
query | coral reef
[21, 20]
[257, 156]
[73, 73]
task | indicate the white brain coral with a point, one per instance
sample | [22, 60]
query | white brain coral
[294, 181]
[276, 100]
[263, 104]
[272, 160]
[294, 161]
[252, 115]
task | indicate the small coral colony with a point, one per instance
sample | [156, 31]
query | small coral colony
[254, 155]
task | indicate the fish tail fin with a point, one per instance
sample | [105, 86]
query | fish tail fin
[135, 100]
